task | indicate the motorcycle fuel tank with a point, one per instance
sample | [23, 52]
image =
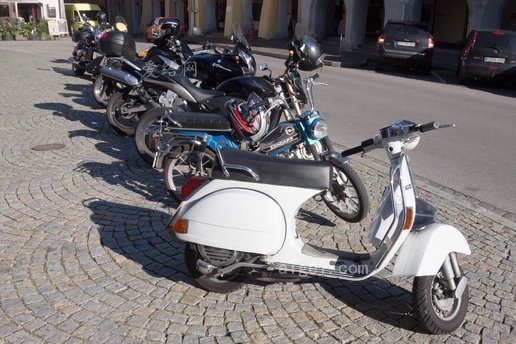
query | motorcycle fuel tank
[283, 135]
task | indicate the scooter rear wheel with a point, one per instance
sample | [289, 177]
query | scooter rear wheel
[217, 285]
[435, 305]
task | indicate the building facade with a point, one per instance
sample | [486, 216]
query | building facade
[31, 10]
[355, 20]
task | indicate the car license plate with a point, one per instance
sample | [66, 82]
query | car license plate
[494, 59]
[405, 44]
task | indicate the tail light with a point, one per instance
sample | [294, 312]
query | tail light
[498, 33]
[192, 184]
[431, 43]
[104, 35]
[381, 39]
[473, 40]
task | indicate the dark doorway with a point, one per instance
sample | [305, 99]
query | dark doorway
[509, 16]
[29, 12]
[375, 18]
[221, 14]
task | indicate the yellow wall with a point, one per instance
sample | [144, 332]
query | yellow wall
[268, 19]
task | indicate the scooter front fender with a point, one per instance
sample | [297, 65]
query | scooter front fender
[424, 251]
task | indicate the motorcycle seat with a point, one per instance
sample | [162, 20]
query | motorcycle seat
[274, 170]
[199, 94]
[201, 121]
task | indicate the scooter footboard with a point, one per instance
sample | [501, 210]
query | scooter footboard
[236, 219]
[423, 252]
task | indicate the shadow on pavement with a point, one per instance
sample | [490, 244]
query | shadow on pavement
[137, 234]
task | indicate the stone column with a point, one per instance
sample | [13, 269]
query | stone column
[146, 15]
[356, 17]
[238, 12]
[269, 19]
[485, 14]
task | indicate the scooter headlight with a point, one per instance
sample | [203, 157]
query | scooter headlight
[319, 129]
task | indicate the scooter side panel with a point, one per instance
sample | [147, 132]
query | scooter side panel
[423, 252]
[236, 219]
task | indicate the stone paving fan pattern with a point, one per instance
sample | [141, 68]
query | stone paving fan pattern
[84, 258]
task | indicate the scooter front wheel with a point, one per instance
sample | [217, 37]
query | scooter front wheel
[215, 284]
[436, 305]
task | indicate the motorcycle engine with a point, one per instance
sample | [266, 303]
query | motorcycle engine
[302, 152]
[169, 99]
[219, 257]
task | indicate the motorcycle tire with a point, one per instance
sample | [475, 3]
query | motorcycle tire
[181, 165]
[122, 124]
[102, 91]
[217, 285]
[78, 70]
[347, 197]
[145, 140]
[436, 307]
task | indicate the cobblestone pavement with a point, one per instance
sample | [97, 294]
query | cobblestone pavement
[84, 257]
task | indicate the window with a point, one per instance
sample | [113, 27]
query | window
[4, 10]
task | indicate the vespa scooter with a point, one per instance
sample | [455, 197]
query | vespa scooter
[243, 221]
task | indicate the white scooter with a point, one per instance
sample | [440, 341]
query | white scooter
[243, 220]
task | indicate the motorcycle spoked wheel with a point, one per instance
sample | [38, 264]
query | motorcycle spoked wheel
[347, 198]
[78, 70]
[102, 91]
[226, 284]
[184, 164]
[145, 136]
[124, 124]
[435, 305]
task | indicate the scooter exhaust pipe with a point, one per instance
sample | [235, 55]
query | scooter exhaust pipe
[119, 75]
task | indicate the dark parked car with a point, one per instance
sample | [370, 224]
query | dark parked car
[488, 55]
[406, 44]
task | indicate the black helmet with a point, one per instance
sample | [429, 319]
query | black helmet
[102, 18]
[306, 53]
[170, 28]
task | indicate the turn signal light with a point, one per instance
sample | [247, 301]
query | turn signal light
[409, 218]
[381, 39]
[180, 226]
[431, 43]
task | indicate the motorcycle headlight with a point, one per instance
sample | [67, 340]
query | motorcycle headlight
[319, 129]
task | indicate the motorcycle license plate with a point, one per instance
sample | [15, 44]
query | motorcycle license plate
[494, 59]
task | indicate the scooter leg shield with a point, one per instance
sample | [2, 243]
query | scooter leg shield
[424, 251]
[236, 219]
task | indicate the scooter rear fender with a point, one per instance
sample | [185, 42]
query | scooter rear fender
[424, 251]
[235, 218]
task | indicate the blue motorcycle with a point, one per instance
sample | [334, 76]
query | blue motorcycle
[188, 141]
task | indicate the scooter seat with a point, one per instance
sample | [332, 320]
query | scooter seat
[201, 121]
[274, 170]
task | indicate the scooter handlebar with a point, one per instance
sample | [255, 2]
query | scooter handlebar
[358, 149]
[428, 126]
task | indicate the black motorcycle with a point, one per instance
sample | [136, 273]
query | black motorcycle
[170, 85]
[85, 55]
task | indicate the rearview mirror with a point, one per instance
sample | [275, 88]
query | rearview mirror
[264, 66]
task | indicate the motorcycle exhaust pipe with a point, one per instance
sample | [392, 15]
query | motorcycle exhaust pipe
[120, 76]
